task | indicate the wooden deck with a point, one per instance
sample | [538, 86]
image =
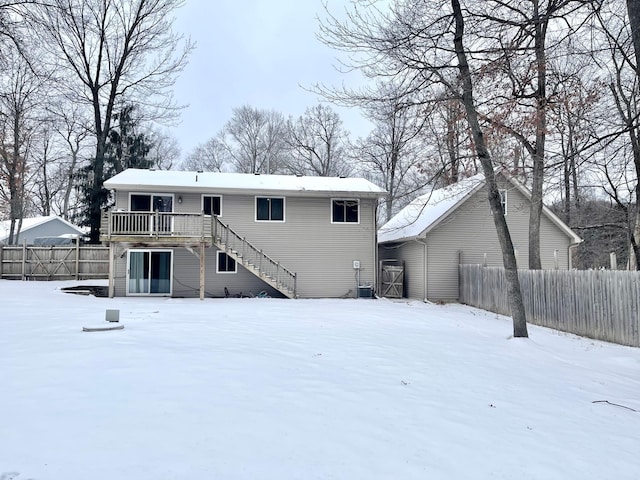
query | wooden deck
[191, 230]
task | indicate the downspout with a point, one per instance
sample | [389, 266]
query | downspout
[375, 244]
[572, 247]
[425, 264]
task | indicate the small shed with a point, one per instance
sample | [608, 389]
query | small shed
[38, 228]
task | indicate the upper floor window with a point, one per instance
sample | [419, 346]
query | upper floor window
[345, 210]
[503, 201]
[147, 202]
[270, 209]
[212, 205]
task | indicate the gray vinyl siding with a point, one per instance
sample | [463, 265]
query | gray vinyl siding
[186, 277]
[470, 230]
[411, 255]
[321, 253]
[466, 235]
[51, 228]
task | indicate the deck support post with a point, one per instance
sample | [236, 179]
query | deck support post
[112, 286]
[202, 265]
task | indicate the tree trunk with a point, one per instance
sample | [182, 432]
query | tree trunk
[508, 256]
[633, 10]
[535, 212]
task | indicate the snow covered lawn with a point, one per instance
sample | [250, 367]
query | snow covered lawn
[304, 389]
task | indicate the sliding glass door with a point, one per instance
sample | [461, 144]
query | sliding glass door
[149, 272]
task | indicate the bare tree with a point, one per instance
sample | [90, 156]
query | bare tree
[392, 154]
[509, 259]
[19, 97]
[210, 156]
[164, 149]
[255, 140]
[112, 53]
[419, 45]
[318, 145]
[621, 164]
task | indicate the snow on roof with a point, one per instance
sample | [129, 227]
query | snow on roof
[425, 210]
[28, 223]
[175, 180]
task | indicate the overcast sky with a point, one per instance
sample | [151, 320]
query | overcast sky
[253, 52]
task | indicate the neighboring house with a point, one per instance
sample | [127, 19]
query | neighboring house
[454, 225]
[186, 234]
[37, 228]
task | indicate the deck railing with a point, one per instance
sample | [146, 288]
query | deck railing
[153, 224]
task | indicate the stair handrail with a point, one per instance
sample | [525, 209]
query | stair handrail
[244, 247]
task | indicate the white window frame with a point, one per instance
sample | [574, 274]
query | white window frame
[155, 194]
[503, 199]
[224, 272]
[150, 251]
[210, 195]
[284, 209]
[357, 200]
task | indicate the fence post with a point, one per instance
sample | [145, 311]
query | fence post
[78, 258]
[24, 259]
[613, 261]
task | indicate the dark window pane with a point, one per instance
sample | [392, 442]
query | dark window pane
[262, 208]
[140, 203]
[162, 203]
[338, 211]
[226, 263]
[351, 208]
[277, 209]
[211, 205]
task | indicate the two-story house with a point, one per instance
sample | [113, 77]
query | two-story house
[189, 234]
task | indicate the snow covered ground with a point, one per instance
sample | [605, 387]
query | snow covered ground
[304, 389]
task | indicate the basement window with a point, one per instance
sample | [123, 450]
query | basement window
[225, 264]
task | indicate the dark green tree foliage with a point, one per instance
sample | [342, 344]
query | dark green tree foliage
[125, 148]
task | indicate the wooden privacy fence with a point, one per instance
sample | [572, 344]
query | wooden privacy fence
[39, 262]
[600, 304]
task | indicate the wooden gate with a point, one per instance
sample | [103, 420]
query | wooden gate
[392, 281]
[33, 262]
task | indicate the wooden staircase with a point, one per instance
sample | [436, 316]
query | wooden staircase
[253, 259]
